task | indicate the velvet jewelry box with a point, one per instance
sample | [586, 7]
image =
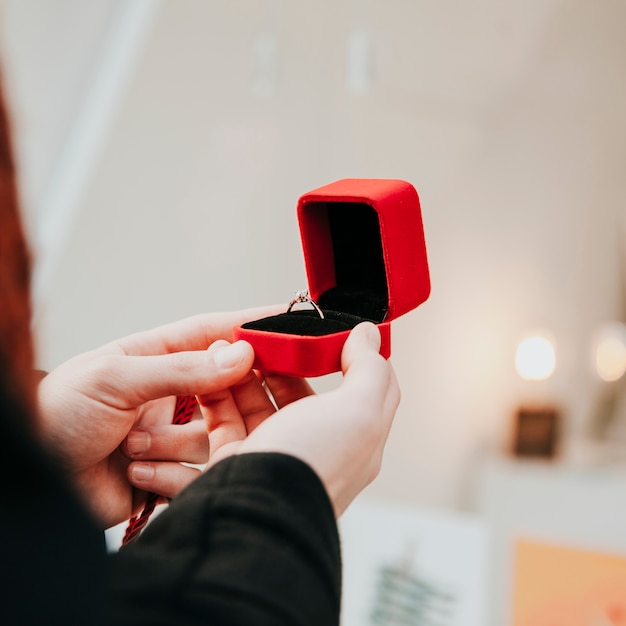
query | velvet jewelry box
[365, 259]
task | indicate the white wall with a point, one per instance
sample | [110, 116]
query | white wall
[507, 117]
[49, 50]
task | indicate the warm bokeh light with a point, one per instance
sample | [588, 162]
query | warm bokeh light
[535, 358]
[610, 352]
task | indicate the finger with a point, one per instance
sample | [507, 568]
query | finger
[221, 415]
[360, 354]
[364, 338]
[287, 389]
[165, 479]
[252, 401]
[194, 333]
[367, 375]
[155, 413]
[133, 380]
[188, 443]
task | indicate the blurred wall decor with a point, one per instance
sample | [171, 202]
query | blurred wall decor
[608, 355]
[565, 586]
[411, 567]
[537, 422]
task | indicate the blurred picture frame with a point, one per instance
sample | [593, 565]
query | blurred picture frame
[536, 432]
[402, 565]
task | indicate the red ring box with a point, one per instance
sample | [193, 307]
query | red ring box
[365, 258]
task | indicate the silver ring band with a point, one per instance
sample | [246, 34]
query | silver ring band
[303, 297]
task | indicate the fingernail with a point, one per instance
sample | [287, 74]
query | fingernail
[373, 335]
[230, 356]
[142, 472]
[138, 442]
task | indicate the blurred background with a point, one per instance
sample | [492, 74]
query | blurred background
[162, 148]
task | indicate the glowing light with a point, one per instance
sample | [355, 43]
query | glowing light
[610, 352]
[535, 358]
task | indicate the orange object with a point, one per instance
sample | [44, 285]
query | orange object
[564, 586]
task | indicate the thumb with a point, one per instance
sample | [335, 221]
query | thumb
[366, 372]
[143, 378]
[363, 340]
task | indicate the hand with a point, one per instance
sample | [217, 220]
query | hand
[125, 392]
[341, 434]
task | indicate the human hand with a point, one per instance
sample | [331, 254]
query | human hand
[341, 434]
[125, 392]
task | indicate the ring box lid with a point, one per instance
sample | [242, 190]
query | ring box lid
[364, 249]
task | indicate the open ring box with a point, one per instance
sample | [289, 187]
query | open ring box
[365, 258]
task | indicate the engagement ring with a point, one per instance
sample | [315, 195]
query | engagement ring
[303, 296]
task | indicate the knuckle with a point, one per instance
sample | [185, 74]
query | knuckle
[104, 374]
[375, 467]
[107, 364]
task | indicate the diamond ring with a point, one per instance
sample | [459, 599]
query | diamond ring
[303, 297]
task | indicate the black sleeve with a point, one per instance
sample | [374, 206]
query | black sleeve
[52, 554]
[253, 541]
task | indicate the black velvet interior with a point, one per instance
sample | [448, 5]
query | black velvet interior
[306, 323]
[361, 282]
[360, 291]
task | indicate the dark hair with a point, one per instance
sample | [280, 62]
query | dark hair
[16, 346]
